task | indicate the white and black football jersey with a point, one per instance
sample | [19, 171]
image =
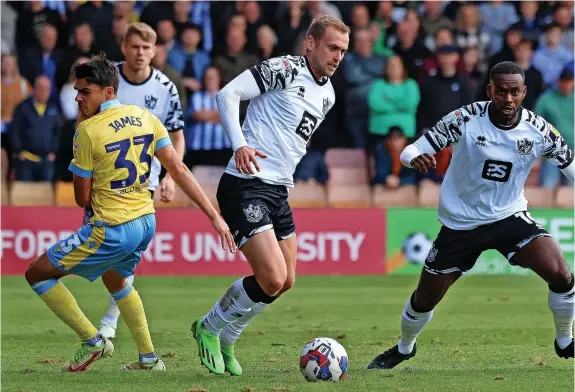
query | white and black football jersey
[282, 119]
[490, 164]
[159, 95]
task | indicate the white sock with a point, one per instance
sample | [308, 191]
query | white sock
[234, 304]
[232, 331]
[412, 323]
[113, 312]
[563, 308]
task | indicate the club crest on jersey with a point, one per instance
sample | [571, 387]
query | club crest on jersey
[326, 106]
[524, 146]
[150, 102]
[254, 214]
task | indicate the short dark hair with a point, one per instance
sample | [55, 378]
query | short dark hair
[506, 68]
[99, 70]
[551, 26]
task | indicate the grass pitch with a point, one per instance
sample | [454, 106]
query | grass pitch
[490, 334]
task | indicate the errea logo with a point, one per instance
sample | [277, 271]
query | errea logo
[481, 140]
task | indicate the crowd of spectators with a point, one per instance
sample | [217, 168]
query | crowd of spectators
[409, 63]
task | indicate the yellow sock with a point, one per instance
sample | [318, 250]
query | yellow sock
[64, 305]
[132, 311]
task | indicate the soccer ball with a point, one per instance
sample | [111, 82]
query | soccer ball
[323, 359]
[416, 247]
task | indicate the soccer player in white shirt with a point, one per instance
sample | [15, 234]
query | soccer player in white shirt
[482, 205]
[290, 97]
[147, 87]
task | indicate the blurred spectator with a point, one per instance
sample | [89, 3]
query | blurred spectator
[470, 32]
[497, 16]
[32, 17]
[430, 64]
[533, 79]
[167, 34]
[563, 16]
[393, 100]
[251, 11]
[188, 60]
[444, 92]
[359, 21]
[408, 47]
[433, 21]
[206, 140]
[360, 68]
[294, 22]
[35, 134]
[69, 108]
[44, 59]
[267, 43]
[386, 29]
[154, 11]
[473, 68]
[530, 23]
[8, 32]
[125, 10]
[557, 107]
[113, 47]
[197, 12]
[99, 15]
[388, 167]
[83, 47]
[511, 38]
[235, 60]
[160, 62]
[321, 7]
[552, 57]
[14, 90]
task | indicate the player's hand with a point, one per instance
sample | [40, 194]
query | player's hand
[245, 156]
[424, 162]
[224, 231]
[51, 157]
[167, 189]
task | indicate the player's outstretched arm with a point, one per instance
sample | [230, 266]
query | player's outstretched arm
[446, 132]
[188, 183]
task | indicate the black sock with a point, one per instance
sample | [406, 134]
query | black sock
[255, 292]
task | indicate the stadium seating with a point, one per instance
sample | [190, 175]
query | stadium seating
[307, 195]
[564, 197]
[539, 197]
[347, 157]
[347, 175]
[349, 196]
[65, 194]
[428, 195]
[405, 196]
[32, 194]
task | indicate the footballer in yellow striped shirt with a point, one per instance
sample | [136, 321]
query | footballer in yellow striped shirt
[113, 149]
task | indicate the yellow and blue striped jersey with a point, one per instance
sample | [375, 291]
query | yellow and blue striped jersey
[115, 148]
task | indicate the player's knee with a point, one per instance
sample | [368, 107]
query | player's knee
[273, 283]
[423, 303]
[560, 278]
[29, 275]
[288, 284]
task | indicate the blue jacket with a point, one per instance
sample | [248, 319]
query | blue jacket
[34, 133]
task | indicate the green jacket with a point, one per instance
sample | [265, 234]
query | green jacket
[393, 105]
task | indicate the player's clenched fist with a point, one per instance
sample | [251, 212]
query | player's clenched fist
[423, 163]
[225, 234]
[245, 156]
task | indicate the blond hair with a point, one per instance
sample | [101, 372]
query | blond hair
[143, 31]
[320, 24]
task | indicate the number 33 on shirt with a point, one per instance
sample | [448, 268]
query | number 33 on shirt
[115, 148]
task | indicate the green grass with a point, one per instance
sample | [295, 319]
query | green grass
[492, 333]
